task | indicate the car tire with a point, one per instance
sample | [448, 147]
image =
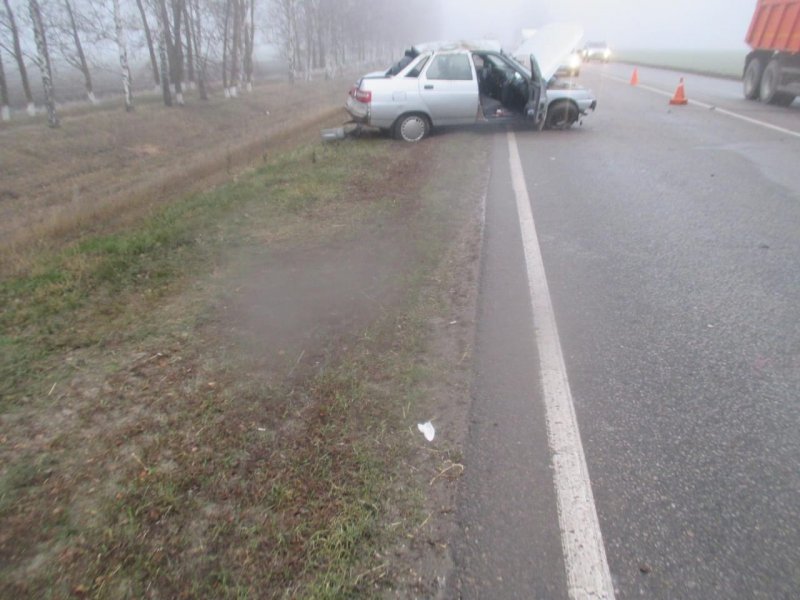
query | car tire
[561, 115]
[751, 82]
[413, 127]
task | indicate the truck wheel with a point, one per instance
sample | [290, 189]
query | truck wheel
[561, 115]
[768, 90]
[752, 78]
[412, 128]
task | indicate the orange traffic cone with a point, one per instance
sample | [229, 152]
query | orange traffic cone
[635, 77]
[680, 95]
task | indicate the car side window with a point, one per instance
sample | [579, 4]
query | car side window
[450, 67]
[418, 68]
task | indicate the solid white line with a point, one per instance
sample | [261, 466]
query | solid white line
[588, 576]
[722, 111]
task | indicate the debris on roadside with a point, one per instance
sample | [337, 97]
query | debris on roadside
[340, 133]
[427, 430]
[448, 473]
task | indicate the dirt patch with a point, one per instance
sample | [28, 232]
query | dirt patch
[289, 307]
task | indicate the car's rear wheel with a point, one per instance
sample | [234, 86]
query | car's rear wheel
[561, 115]
[412, 127]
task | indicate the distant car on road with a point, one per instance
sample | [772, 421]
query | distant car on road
[449, 83]
[596, 51]
[571, 67]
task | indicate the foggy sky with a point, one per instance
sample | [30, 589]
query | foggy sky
[624, 24]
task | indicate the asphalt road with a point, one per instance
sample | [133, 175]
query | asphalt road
[671, 241]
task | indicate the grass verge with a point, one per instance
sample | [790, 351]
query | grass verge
[146, 457]
[720, 63]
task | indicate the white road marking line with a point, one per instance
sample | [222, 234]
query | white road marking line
[722, 111]
[588, 575]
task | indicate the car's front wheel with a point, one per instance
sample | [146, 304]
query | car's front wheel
[561, 115]
[412, 127]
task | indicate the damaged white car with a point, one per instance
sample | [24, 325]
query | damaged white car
[449, 83]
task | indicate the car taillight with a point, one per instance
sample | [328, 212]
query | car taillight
[363, 96]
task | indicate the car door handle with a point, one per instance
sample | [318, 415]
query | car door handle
[429, 87]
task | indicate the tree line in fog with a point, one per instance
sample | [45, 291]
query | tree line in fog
[193, 44]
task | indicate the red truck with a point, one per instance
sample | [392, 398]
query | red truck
[772, 69]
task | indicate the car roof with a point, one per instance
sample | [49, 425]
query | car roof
[470, 45]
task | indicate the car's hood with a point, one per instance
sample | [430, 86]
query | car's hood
[550, 45]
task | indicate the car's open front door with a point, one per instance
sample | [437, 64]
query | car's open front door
[536, 108]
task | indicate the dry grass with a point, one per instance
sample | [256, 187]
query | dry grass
[104, 168]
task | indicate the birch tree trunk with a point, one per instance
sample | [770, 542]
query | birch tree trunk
[123, 58]
[236, 42]
[190, 64]
[197, 39]
[309, 35]
[166, 92]
[225, 38]
[249, 41]
[20, 58]
[5, 109]
[43, 60]
[293, 40]
[150, 47]
[87, 76]
[177, 44]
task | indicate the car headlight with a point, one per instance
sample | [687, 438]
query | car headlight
[606, 53]
[574, 61]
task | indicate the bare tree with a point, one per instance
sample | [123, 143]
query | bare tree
[43, 60]
[236, 43]
[249, 44]
[225, 37]
[195, 23]
[5, 109]
[78, 59]
[150, 47]
[187, 32]
[285, 20]
[11, 23]
[172, 40]
[309, 19]
[176, 60]
[163, 50]
[122, 44]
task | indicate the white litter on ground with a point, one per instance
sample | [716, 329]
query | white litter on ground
[427, 430]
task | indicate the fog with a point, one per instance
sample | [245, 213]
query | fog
[624, 24]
